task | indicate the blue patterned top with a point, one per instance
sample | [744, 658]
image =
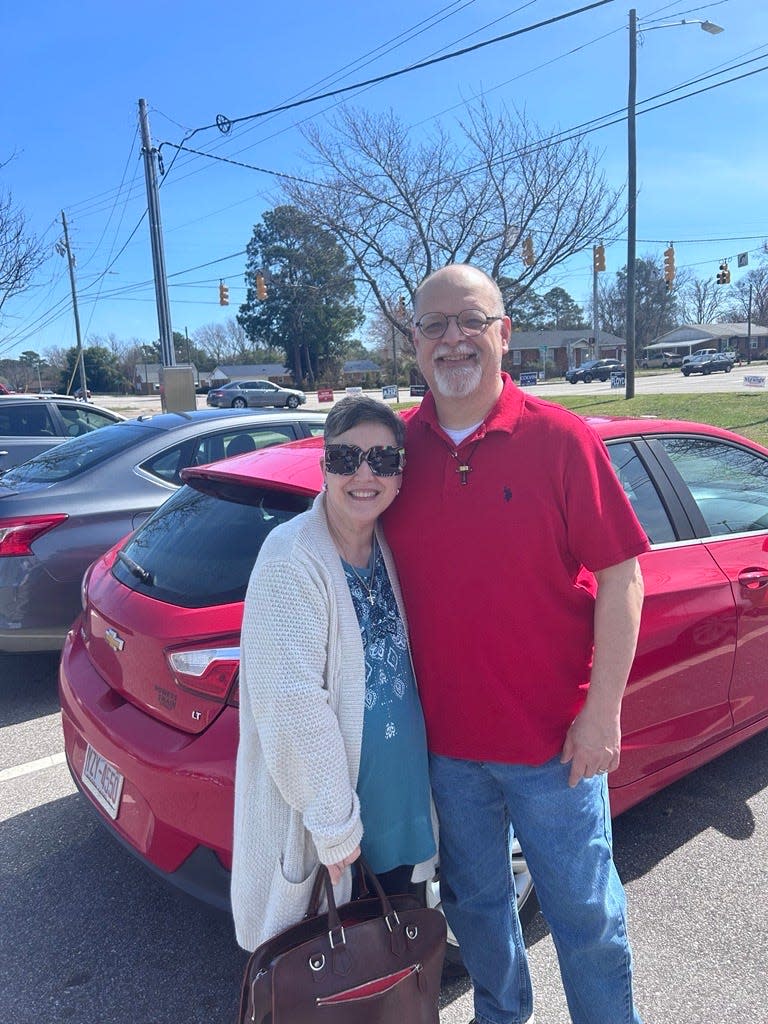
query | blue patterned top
[393, 782]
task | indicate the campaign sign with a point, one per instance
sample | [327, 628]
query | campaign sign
[527, 380]
[325, 394]
[754, 380]
[389, 391]
[618, 380]
[418, 390]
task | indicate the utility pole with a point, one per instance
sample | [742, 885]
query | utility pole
[629, 361]
[749, 327]
[71, 265]
[168, 356]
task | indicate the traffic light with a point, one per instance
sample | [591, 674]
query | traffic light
[724, 277]
[669, 266]
[261, 288]
[598, 257]
[528, 258]
[223, 294]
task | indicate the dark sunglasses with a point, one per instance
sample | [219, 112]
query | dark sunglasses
[346, 459]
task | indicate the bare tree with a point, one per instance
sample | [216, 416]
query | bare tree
[700, 301]
[403, 208]
[21, 253]
[738, 298]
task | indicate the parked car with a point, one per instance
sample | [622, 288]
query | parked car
[83, 394]
[665, 360]
[30, 424]
[707, 363]
[149, 672]
[255, 394]
[699, 352]
[67, 506]
[593, 369]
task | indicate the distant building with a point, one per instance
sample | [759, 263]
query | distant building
[564, 348]
[749, 341]
[354, 371]
[146, 379]
[276, 372]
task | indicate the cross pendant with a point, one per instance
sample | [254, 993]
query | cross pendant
[371, 599]
[464, 470]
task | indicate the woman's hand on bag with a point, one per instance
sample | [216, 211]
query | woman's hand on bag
[337, 870]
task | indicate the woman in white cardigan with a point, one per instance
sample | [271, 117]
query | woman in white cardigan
[332, 757]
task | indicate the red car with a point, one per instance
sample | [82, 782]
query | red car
[149, 671]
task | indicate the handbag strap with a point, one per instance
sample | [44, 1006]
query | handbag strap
[313, 907]
[323, 881]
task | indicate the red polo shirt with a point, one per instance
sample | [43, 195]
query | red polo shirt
[497, 572]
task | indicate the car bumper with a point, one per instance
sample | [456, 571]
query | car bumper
[36, 610]
[176, 807]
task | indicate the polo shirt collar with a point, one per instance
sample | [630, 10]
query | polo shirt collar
[504, 416]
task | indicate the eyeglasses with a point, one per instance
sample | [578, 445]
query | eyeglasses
[470, 322]
[346, 459]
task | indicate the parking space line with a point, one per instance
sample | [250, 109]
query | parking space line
[52, 761]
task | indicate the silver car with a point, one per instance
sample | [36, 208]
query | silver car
[255, 394]
[30, 424]
[67, 506]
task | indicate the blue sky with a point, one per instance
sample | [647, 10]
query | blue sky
[72, 75]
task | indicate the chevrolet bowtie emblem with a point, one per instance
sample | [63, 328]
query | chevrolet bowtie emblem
[114, 639]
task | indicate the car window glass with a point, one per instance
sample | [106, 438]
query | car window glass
[187, 546]
[78, 454]
[95, 419]
[238, 441]
[167, 465]
[32, 420]
[727, 482]
[316, 430]
[641, 492]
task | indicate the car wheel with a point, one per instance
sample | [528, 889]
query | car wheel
[728, 369]
[527, 904]
[292, 402]
[572, 381]
[239, 403]
[706, 371]
[686, 373]
[587, 378]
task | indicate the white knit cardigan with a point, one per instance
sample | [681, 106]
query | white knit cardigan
[302, 690]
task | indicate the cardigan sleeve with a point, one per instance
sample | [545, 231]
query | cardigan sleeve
[285, 641]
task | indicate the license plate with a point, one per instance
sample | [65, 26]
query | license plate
[103, 780]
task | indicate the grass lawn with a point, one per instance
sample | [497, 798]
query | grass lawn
[746, 414]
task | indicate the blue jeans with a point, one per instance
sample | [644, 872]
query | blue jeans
[565, 835]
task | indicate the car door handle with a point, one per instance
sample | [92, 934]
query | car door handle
[754, 578]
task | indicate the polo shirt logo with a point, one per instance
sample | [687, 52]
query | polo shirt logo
[507, 494]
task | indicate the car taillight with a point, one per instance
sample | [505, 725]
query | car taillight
[19, 533]
[211, 672]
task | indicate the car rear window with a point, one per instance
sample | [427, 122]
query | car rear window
[78, 454]
[197, 550]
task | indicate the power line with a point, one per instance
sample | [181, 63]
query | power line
[229, 122]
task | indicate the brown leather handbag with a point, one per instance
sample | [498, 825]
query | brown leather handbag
[377, 960]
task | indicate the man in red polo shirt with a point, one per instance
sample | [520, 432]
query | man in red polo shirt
[517, 553]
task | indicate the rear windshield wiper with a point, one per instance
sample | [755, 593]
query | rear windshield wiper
[135, 569]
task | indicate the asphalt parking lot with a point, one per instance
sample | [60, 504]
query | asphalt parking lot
[89, 936]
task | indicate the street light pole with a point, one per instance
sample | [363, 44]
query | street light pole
[712, 29]
[629, 361]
